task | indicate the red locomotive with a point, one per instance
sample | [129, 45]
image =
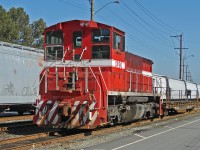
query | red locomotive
[90, 80]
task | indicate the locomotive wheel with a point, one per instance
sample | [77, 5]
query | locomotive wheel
[161, 116]
[62, 131]
[32, 112]
[20, 112]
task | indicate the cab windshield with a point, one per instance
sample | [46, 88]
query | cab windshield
[100, 36]
[54, 37]
[54, 45]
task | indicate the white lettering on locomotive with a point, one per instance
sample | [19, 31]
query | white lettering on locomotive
[118, 64]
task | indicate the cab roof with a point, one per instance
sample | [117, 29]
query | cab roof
[83, 24]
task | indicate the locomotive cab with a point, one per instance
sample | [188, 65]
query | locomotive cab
[83, 40]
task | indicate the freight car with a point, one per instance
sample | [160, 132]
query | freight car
[90, 80]
[176, 94]
[20, 68]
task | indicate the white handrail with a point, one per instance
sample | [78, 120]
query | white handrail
[82, 53]
[100, 105]
[104, 84]
[103, 79]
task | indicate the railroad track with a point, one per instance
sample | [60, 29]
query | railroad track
[12, 122]
[16, 125]
[37, 140]
[43, 139]
[15, 118]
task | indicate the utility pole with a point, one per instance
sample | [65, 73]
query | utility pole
[184, 58]
[186, 78]
[190, 77]
[180, 54]
[92, 13]
[188, 74]
[92, 10]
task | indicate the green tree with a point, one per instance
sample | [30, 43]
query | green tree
[37, 32]
[8, 31]
[16, 28]
[27, 36]
[21, 21]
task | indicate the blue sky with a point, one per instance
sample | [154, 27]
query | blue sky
[148, 34]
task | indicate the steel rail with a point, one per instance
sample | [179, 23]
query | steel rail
[103, 131]
[15, 118]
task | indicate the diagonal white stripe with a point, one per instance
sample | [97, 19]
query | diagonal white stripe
[93, 119]
[75, 105]
[75, 120]
[55, 119]
[52, 111]
[85, 118]
[39, 106]
[92, 105]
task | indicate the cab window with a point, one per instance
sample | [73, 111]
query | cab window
[100, 36]
[77, 39]
[101, 52]
[54, 37]
[118, 42]
[54, 53]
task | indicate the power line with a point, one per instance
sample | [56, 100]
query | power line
[156, 19]
[158, 35]
[143, 19]
[161, 42]
[131, 36]
[74, 5]
[148, 46]
[160, 39]
[145, 45]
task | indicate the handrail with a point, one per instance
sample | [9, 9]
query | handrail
[100, 105]
[82, 53]
[104, 84]
[103, 79]
[45, 75]
[86, 80]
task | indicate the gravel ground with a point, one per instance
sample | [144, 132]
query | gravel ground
[4, 135]
[95, 140]
[21, 131]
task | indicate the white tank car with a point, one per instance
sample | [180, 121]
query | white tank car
[19, 77]
[198, 87]
[178, 89]
[175, 88]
